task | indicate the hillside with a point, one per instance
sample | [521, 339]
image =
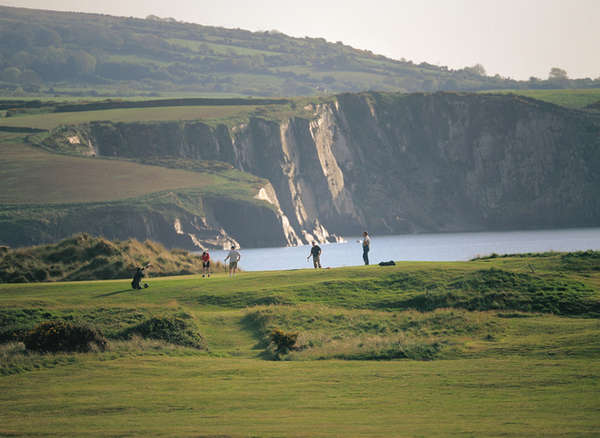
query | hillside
[58, 53]
[431, 349]
[47, 197]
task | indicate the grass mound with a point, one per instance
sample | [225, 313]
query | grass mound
[84, 257]
[506, 287]
[16, 323]
[169, 329]
[321, 332]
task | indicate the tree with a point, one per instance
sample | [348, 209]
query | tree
[11, 74]
[557, 73]
[81, 62]
[477, 69]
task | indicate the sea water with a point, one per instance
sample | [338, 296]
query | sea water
[419, 247]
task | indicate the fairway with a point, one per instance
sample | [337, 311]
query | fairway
[491, 370]
[192, 397]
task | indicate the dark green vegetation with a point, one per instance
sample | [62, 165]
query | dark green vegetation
[505, 344]
[169, 329]
[85, 257]
[47, 52]
[58, 336]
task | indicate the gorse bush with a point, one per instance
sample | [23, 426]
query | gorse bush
[169, 329]
[283, 342]
[55, 336]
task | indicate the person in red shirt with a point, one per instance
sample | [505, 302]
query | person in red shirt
[205, 263]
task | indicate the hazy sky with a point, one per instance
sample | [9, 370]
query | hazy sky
[516, 38]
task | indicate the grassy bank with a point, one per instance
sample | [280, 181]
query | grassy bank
[85, 257]
[368, 361]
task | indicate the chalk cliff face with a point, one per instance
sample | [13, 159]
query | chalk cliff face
[393, 163]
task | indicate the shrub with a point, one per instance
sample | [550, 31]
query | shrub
[283, 342]
[169, 329]
[54, 336]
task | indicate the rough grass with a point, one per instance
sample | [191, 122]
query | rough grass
[326, 333]
[85, 257]
[425, 290]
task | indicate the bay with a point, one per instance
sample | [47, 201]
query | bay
[419, 247]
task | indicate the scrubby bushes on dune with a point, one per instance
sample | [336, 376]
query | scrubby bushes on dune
[169, 329]
[56, 336]
[84, 257]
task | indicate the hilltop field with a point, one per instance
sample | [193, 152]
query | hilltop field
[498, 346]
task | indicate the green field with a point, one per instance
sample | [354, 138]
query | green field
[53, 120]
[501, 347]
[30, 175]
[33, 176]
[573, 98]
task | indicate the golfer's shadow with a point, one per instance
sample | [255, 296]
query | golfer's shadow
[112, 293]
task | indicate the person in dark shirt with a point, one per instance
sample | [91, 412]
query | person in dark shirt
[315, 253]
[137, 277]
[366, 245]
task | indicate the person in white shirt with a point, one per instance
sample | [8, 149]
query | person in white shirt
[366, 245]
[234, 257]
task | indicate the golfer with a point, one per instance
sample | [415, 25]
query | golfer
[315, 253]
[366, 245]
[205, 263]
[234, 257]
[137, 277]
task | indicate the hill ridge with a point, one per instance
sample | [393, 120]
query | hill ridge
[55, 52]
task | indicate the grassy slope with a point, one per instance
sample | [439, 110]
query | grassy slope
[576, 99]
[30, 175]
[511, 373]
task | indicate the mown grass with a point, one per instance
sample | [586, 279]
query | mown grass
[485, 371]
[192, 396]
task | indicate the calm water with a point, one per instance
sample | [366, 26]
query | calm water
[423, 247]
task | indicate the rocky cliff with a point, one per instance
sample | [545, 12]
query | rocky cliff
[396, 163]
[176, 219]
